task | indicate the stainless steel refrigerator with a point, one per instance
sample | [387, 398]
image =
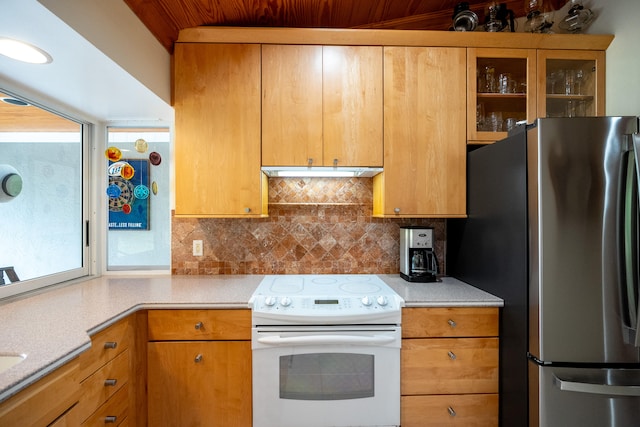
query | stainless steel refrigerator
[552, 229]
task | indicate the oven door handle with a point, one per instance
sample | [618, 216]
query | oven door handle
[327, 339]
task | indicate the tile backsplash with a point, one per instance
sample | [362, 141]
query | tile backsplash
[315, 226]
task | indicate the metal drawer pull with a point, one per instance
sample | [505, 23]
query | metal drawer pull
[198, 358]
[110, 345]
[451, 411]
[199, 325]
[110, 419]
[452, 323]
[452, 355]
[110, 382]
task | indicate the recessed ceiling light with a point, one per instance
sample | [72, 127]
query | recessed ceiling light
[14, 101]
[24, 52]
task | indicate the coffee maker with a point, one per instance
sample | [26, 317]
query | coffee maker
[418, 262]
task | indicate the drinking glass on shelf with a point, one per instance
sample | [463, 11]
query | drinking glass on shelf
[569, 82]
[579, 80]
[494, 121]
[576, 108]
[510, 123]
[488, 80]
[505, 83]
[552, 78]
[480, 119]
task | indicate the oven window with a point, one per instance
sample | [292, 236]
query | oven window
[326, 376]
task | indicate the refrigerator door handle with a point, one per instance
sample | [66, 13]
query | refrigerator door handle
[606, 389]
[633, 288]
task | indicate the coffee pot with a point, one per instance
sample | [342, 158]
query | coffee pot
[418, 261]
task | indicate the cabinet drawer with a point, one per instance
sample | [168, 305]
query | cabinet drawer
[103, 384]
[43, 402]
[450, 322]
[71, 418]
[105, 345]
[449, 365]
[113, 412]
[199, 325]
[467, 410]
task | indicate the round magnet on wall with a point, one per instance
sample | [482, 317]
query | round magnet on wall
[155, 158]
[113, 153]
[113, 191]
[10, 183]
[141, 192]
[127, 171]
[141, 145]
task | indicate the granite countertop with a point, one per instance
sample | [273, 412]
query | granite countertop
[54, 326]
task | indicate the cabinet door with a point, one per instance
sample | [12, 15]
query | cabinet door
[424, 133]
[217, 130]
[502, 91]
[291, 105]
[571, 83]
[352, 105]
[199, 383]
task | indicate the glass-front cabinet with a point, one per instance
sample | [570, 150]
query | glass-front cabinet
[501, 91]
[571, 83]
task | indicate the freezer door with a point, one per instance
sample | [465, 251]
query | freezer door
[577, 173]
[585, 397]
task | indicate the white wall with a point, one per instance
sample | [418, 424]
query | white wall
[620, 18]
[112, 27]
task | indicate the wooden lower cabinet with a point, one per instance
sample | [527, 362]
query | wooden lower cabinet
[199, 381]
[449, 367]
[464, 410]
[46, 402]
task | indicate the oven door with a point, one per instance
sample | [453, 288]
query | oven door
[326, 376]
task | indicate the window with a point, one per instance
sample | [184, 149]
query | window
[139, 212]
[44, 197]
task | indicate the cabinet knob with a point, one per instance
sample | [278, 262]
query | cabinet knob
[452, 323]
[335, 163]
[310, 162]
[247, 210]
[198, 358]
[110, 419]
[452, 355]
[199, 325]
[396, 210]
[451, 411]
[110, 345]
[110, 382]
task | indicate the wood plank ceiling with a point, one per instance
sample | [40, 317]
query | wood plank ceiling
[165, 18]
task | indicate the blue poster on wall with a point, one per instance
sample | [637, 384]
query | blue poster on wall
[128, 193]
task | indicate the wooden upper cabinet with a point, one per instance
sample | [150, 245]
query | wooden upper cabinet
[291, 105]
[217, 130]
[352, 105]
[501, 91]
[571, 83]
[321, 105]
[424, 133]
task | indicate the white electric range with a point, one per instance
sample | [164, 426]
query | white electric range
[326, 351]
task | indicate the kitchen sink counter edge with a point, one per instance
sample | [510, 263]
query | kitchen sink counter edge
[53, 327]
